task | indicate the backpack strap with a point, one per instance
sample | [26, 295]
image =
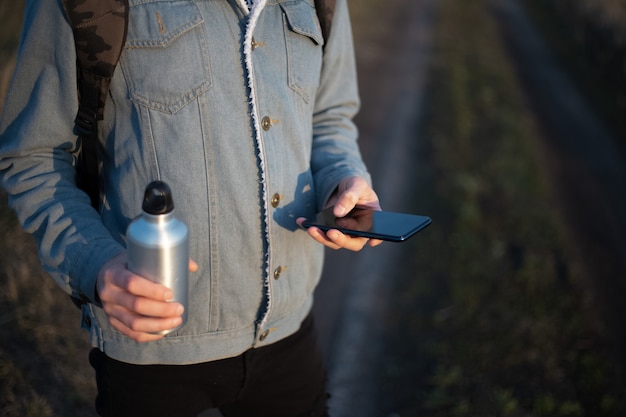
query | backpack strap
[99, 28]
[325, 11]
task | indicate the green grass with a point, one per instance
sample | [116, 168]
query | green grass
[494, 323]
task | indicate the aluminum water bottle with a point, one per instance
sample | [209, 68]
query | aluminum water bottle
[158, 244]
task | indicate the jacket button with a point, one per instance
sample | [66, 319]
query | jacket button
[275, 200]
[256, 44]
[266, 123]
[264, 335]
[279, 271]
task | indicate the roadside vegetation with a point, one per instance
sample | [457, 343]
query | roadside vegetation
[589, 39]
[495, 321]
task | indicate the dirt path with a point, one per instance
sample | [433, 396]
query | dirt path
[354, 293]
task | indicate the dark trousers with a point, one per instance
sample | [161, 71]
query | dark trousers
[285, 379]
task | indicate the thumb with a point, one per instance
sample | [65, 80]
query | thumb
[193, 266]
[345, 203]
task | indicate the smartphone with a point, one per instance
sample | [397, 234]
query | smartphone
[374, 224]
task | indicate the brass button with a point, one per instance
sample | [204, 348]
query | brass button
[256, 44]
[266, 123]
[279, 271]
[275, 200]
[264, 335]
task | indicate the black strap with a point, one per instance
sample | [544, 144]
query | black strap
[99, 28]
[325, 12]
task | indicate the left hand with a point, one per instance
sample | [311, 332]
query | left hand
[351, 192]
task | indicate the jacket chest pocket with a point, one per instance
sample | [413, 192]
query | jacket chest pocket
[166, 59]
[304, 40]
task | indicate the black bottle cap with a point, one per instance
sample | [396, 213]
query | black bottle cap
[158, 198]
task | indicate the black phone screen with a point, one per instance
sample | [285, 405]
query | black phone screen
[364, 222]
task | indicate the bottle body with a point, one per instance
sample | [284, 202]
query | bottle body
[158, 249]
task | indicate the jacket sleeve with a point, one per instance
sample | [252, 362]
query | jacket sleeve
[335, 153]
[36, 160]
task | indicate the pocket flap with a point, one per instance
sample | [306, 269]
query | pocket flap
[302, 19]
[157, 24]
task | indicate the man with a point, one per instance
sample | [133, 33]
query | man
[245, 110]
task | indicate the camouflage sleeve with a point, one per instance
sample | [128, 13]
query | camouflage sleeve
[99, 36]
[36, 162]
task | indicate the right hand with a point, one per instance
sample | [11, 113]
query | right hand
[136, 306]
[351, 192]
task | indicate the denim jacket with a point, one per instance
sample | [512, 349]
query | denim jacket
[247, 115]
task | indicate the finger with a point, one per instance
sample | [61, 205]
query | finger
[346, 202]
[317, 234]
[142, 324]
[118, 278]
[141, 336]
[334, 239]
[353, 191]
[375, 242]
[142, 287]
[347, 242]
[321, 237]
[193, 266]
[148, 307]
